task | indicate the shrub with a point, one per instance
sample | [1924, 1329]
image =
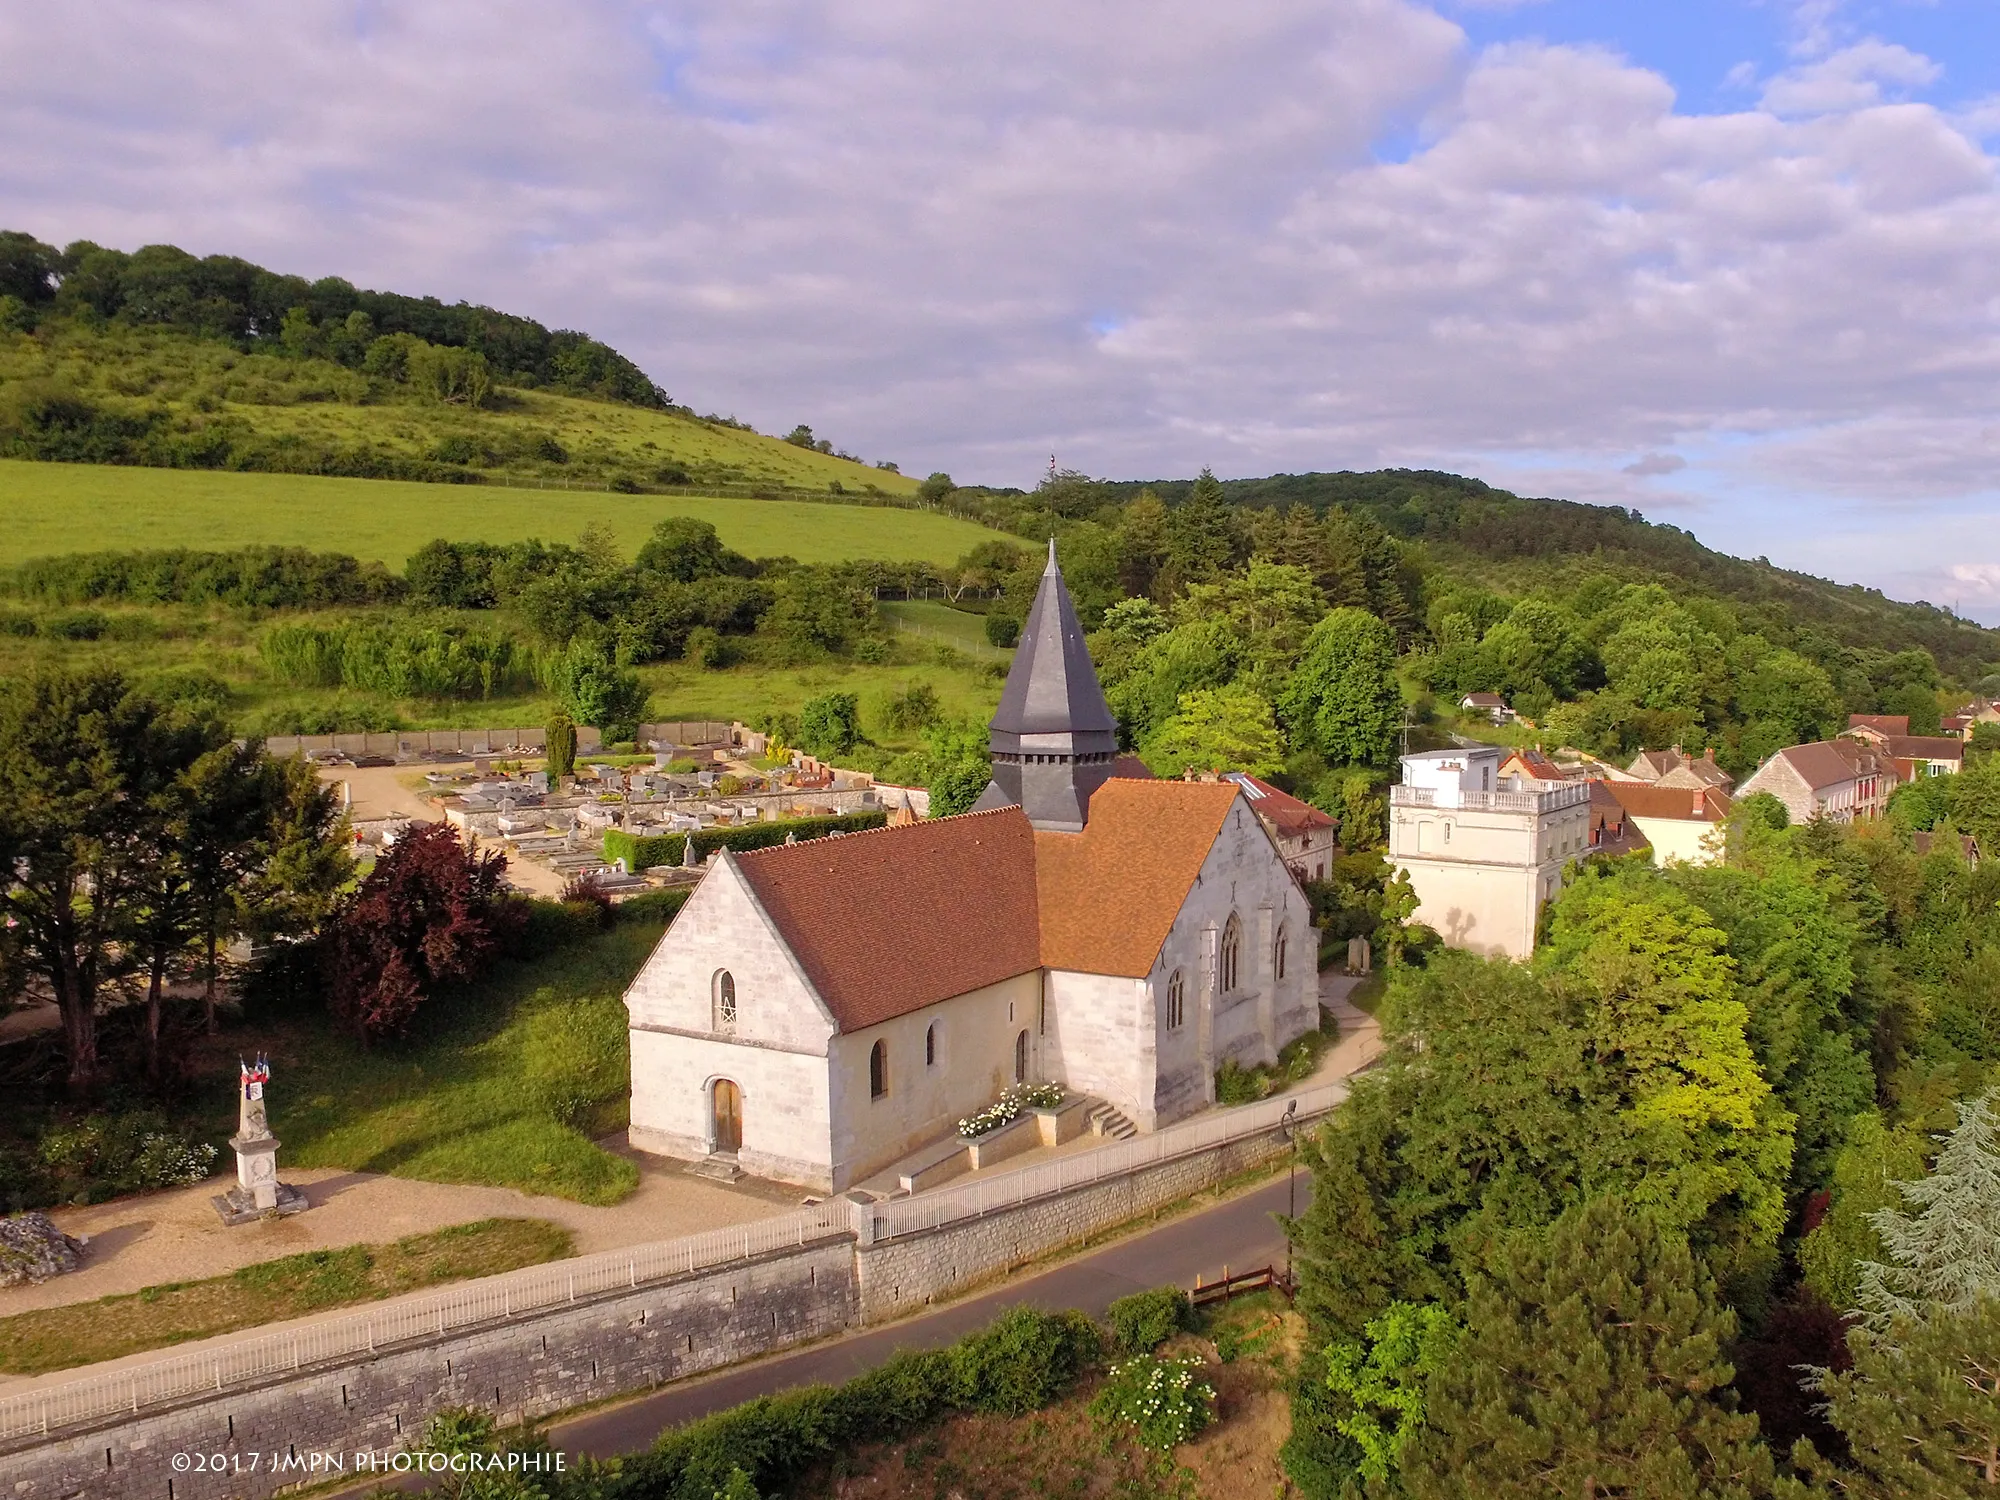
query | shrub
[585, 891]
[830, 724]
[1143, 1321]
[653, 906]
[665, 849]
[546, 926]
[1002, 630]
[110, 1155]
[706, 649]
[1159, 1399]
[1025, 1359]
[1022, 1361]
[1236, 1084]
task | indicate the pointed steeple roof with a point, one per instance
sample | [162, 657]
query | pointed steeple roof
[1052, 687]
[1053, 738]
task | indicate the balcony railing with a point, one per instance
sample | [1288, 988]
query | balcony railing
[1546, 798]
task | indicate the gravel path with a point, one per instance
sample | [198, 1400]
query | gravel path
[177, 1236]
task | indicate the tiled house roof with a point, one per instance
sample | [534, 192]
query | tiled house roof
[1703, 804]
[895, 919]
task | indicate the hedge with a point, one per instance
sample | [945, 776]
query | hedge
[1143, 1321]
[666, 849]
[1019, 1363]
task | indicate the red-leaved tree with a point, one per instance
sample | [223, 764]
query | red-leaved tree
[430, 913]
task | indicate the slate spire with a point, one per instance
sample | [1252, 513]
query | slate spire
[1053, 739]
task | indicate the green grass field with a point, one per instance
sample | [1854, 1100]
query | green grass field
[54, 508]
[927, 619]
[453, 1103]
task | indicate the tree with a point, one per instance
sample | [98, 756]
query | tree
[1592, 1364]
[684, 549]
[86, 769]
[955, 765]
[595, 690]
[1380, 1381]
[1793, 695]
[1343, 700]
[1920, 1410]
[1200, 539]
[830, 724]
[1945, 1257]
[934, 488]
[559, 742]
[430, 913]
[1217, 729]
[1399, 904]
[818, 610]
[1160, 673]
[1271, 608]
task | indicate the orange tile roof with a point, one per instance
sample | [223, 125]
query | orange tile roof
[1641, 800]
[1880, 723]
[892, 920]
[1924, 747]
[1279, 810]
[1110, 894]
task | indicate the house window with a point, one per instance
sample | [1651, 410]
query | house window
[1232, 955]
[1021, 1058]
[1278, 955]
[1176, 1001]
[878, 1070]
[725, 1000]
[930, 1045]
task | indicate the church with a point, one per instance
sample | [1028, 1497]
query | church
[819, 1011]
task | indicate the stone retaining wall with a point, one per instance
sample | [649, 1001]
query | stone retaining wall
[897, 1276]
[284, 1434]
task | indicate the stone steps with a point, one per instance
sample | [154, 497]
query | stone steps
[718, 1166]
[1109, 1124]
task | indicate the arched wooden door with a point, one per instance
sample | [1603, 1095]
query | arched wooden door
[728, 1116]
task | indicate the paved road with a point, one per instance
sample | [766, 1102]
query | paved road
[1239, 1233]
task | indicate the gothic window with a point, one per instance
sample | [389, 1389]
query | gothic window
[725, 1000]
[1176, 1001]
[1278, 955]
[930, 1045]
[1232, 955]
[878, 1070]
[1021, 1058]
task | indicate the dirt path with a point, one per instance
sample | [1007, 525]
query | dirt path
[177, 1236]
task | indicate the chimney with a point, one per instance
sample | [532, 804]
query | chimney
[1709, 755]
[1699, 798]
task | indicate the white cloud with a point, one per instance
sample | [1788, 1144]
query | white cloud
[1849, 79]
[1654, 464]
[1148, 236]
[1982, 579]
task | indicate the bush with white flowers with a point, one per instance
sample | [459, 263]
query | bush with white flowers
[1011, 1105]
[1158, 1398]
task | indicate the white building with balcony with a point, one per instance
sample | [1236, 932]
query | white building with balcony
[1484, 857]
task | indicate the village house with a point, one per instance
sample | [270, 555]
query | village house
[1680, 824]
[1840, 779]
[1308, 839]
[1522, 766]
[1922, 842]
[819, 1012]
[1483, 857]
[1612, 833]
[1877, 727]
[1490, 704]
[1676, 768]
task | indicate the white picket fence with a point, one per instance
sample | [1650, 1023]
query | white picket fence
[487, 1300]
[970, 1200]
[495, 1299]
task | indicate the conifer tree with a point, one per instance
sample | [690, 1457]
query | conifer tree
[1920, 1411]
[1945, 1256]
[1591, 1364]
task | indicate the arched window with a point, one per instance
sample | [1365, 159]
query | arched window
[1278, 955]
[930, 1045]
[1176, 1001]
[1021, 1058]
[1232, 955]
[878, 1070]
[725, 1000]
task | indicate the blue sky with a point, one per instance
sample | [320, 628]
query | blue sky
[1734, 264]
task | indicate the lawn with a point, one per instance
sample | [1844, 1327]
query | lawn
[55, 508]
[83, 1333]
[929, 620]
[455, 1102]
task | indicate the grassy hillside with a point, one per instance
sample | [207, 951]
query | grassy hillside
[73, 391]
[56, 508]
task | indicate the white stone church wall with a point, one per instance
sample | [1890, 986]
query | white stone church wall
[975, 1035]
[777, 1053]
[1100, 1041]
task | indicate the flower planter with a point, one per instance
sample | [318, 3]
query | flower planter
[1063, 1122]
[1022, 1133]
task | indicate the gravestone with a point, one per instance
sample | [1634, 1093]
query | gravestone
[258, 1193]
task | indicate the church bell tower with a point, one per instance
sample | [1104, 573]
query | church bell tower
[1053, 739]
